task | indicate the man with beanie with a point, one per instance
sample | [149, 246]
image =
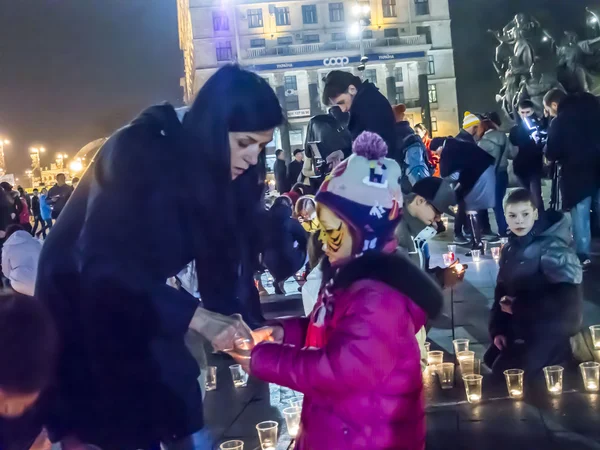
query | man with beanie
[410, 153]
[369, 109]
[470, 129]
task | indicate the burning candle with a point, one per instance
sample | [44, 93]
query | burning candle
[473, 387]
[516, 393]
[595, 332]
[554, 379]
[476, 255]
[556, 389]
[514, 382]
[474, 398]
[496, 253]
[590, 372]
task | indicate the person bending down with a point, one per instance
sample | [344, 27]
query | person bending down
[538, 302]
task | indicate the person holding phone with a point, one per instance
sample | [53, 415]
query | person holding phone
[538, 302]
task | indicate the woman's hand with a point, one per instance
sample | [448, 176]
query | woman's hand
[221, 331]
[268, 334]
[500, 342]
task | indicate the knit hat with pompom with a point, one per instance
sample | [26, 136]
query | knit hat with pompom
[363, 191]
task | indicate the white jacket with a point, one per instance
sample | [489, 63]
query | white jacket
[20, 256]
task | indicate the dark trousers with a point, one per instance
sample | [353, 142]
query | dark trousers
[460, 223]
[533, 183]
[46, 226]
[535, 353]
[38, 222]
[501, 186]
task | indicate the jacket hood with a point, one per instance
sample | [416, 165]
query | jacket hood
[398, 272]
[404, 128]
[556, 224]
[162, 117]
[18, 238]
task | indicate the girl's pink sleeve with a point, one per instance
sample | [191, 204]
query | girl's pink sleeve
[294, 329]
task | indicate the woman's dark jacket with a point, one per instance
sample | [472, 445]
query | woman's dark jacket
[468, 159]
[282, 256]
[544, 274]
[125, 378]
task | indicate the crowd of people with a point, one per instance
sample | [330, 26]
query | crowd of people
[92, 340]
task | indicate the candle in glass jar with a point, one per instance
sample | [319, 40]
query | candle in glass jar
[591, 386]
[555, 389]
[293, 432]
[516, 393]
[474, 397]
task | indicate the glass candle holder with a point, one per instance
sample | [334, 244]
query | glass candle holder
[238, 375]
[590, 373]
[514, 383]
[232, 445]
[476, 255]
[296, 403]
[466, 360]
[452, 248]
[473, 387]
[503, 242]
[496, 253]
[211, 378]
[243, 346]
[427, 346]
[435, 358]
[554, 379]
[595, 332]
[445, 221]
[460, 345]
[448, 259]
[267, 434]
[292, 419]
[445, 373]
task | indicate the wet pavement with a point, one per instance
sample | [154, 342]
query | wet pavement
[539, 421]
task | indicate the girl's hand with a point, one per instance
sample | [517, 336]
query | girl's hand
[500, 342]
[269, 334]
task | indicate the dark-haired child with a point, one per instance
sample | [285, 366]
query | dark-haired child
[537, 305]
[28, 348]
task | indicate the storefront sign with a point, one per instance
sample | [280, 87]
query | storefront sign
[337, 61]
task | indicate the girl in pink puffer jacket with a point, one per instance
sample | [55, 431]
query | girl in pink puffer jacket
[356, 358]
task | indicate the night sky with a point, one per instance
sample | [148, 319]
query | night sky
[74, 70]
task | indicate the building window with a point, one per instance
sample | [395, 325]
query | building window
[336, 12]
[224, 51]
[309, 14]
[425, 31]
[389, 8]
[310, 38]
[257, 43]
[399, 73]
[255, 18]
[434, 125]
[282, 16]
[431, 64]
[371, 76]
[367, 34]
[432, 91]
[290, 85]
[390, 32]
[296, 137]
[338, 37]
[400, 95]
[422, 7]
[284, 40]
[220, 21]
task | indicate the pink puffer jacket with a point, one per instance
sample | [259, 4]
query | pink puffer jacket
[363, 388]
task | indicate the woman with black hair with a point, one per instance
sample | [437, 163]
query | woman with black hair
[125, 377]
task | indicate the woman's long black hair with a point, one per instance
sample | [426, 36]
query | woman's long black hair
[232, 100]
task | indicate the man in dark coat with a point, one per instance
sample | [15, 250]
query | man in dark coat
[295, 167]
[574, 142]
[280, 171]
[369, 109]
[103, 269]
[59, 194]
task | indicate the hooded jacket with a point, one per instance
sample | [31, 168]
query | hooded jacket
[543, 273]
[371, 111]
[125, 377]
[363, 389]
[497, 145]
[466, 159]
[574, 141]
[411, 153]
[20, 256]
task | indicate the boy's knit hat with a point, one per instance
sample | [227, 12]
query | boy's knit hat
[363, 191]
[470, 120]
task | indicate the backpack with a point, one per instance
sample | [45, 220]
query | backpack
[409, 141]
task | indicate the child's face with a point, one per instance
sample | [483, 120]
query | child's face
[520, 217]
[335, 236]
[15, 405]
[424, 211]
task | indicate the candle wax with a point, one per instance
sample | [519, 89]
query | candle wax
[474, 397]
[555, 389]
[592, 386]
[516, 392]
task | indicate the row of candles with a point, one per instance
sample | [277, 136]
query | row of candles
[268, 431]
[470, 368]
[450, 257]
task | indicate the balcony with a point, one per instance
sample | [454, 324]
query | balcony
[306, 49]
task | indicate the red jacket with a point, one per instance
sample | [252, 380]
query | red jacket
[363, 388]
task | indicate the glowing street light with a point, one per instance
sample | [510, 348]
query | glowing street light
[354, 29]
[76, 166]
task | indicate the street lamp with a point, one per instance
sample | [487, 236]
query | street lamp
[363, 16]
[3, 142]
[76, 166]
